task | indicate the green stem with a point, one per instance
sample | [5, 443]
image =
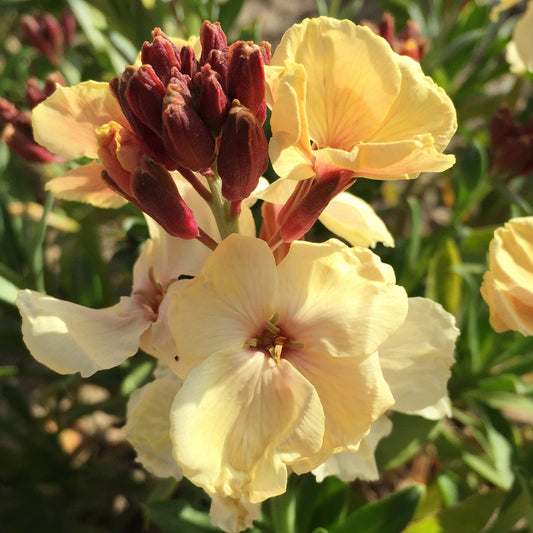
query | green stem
[221, 207]
[283, 512]
[37, 261]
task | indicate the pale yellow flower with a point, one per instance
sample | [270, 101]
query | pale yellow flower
[502, 5]
[508, 285]
[70, 338]
[342, 100]
[519, 52]
[279, 361]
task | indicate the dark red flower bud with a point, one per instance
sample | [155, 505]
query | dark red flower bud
[211, 38]
[246, 78]
[34, 94]
[18, 135]
[144, 94]
[162, 54]
[189, 63]
[386, 27]
[51, 81]
[158, 196]
[8, 112]
[213, 102]
[68, 23]
[44, 32]
[219, 61]
[187, 139]
[242, 155]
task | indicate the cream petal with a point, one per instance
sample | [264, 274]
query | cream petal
[361, 464]
[70, 338]
[521, 55]
[353, 394]
[148, 426]
[356, 221]
[388, 161]
[234, 418]
[421, 107]
[227, 303]
[85, 184]
[75, 112]
[342, 61]
[416, 359]
[278, 192]
[345, 304]
[233, 515]
[289, 147]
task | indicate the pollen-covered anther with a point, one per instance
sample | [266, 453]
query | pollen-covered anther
[272, 340]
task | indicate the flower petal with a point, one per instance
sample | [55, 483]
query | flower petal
[361, 464]
[238, 418]
[340, 107]
[85, 184]
[70, 338]
[227, 303]
[353, 394]
[416, 359]
[75, 112]
[233, 515]
[520, 49]
[148, 426]
[345, 304]
[354, 220]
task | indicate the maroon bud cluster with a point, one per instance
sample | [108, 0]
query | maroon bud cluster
[18, 131]
[408, 42]
[195, 113]
[511, 145]
[49, 35]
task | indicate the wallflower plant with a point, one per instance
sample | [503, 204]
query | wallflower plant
[276, 355]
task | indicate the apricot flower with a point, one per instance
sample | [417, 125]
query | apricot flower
[508, 285]
[342, 100]
[279, 362]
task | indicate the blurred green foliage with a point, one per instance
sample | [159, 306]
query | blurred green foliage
[474, 471]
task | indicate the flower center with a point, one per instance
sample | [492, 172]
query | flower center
[153, 296]
[272, 340]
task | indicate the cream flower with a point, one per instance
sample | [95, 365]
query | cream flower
[416, 361]
[519, 52]
[342, 100]
[70, 338]
[508, 285]
[279, 362]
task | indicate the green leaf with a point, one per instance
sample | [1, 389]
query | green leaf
[8, 291]
[173, 516]
[467, 517]
[390, 515]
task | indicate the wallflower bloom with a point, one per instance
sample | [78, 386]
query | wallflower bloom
[508, 285]
[281, 360]
[342, 100]
[519, 51]
[70, 338]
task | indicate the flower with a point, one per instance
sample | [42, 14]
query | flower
[281, 360]
[70, 338]
[519, 52]
[381, 119]
[508, 284]
[416, 361]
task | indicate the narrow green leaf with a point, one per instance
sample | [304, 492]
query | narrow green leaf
[390, 515]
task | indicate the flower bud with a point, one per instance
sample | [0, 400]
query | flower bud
[246, 77]
[187, 139]
[8, 111]
[243, 153]
[44, 32]
[35, 95]
[162, 54]
[68, 24]
[218, 60]
[211, 38]
[158, 196]
[213, 102]
[189, 63]
[144, 94]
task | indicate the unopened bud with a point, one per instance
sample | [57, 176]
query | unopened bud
[162, 54]
[187, 139]
[189, 63]
[386, 27]
[158, 196]
[144, 94]
[8, 112]
[35, 95]
[213, 102]
[211, 38]
[243, 153]
[246, 77]
[68, 24]
[44, 32]
[218, 60]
